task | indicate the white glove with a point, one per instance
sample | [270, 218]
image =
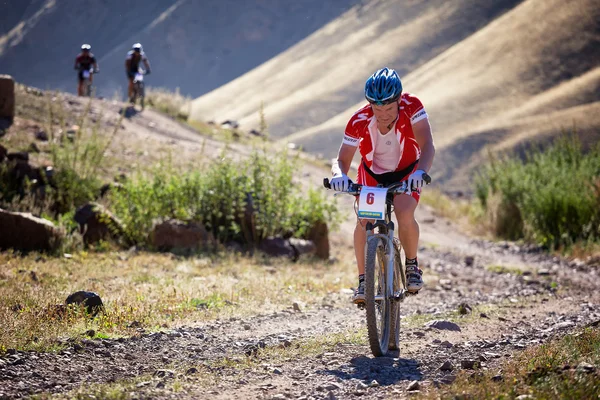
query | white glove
[340, 182]
[415, 180]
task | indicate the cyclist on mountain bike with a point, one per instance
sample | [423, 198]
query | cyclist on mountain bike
[394, 137]
[132, 65]
[84, 62]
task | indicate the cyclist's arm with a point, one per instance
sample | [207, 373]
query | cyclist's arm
[127, 64]
[344, 159]
[422, 131]
[76, 63]
[147, 64]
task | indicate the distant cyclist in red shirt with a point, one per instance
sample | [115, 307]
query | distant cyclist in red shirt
[85, 61]
[394, 137]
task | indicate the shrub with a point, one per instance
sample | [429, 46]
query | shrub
[173, 104]
[551, 197]
[223, 197]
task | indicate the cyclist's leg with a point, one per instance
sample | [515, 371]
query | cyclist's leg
[80, 84]
[408, 232]
[130, 86]
[360, 239]
[408, 228]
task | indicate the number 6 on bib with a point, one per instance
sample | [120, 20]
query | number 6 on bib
[371, 204]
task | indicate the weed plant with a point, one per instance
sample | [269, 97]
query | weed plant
[551, 197]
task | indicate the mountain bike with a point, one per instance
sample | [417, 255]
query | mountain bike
[87, 81]
[385, 277]
[138, 88]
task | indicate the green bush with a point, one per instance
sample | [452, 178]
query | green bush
[242, 201]
[551, 197]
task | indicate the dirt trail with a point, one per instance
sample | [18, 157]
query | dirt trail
[548, 297]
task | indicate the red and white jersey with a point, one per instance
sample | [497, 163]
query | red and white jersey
[362, 131]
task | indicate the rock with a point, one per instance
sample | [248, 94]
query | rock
[7, 97]
[524, 397]
[191, 371]
[329, 386]
[24, 232]
[448, 379]
[464, 309]
[164, 373]
[469, 364]
[585, 367]
[447, 366]
[33, 148]
[483, 315]
[414, 385]
[97, 223]
[360, 385]
[278, 247]
[230, 124]
[446, 344]
[42, 136]
[177, 235]
[18, 156]
[91, 301]
[110, 187]
[318, 233]
[374, 383]
[255, 132]
[3, 153]
[543, 272]
[469, 261]
[497, 378]
[296, 307]
[303, 246]
[331, 396]
[443, 325]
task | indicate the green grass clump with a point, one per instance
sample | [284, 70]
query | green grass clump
[243, 201]
[559, 369]
[552, 197]
[174, 104]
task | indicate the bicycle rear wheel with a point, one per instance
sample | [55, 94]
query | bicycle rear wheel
[377, 302]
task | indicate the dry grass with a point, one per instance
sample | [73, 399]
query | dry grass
[551, 371]
[156, 290]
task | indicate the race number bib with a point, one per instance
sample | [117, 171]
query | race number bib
[86, 74]
[139, 77]
[371, 204]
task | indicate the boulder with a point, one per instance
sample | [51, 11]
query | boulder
[96, 223]
[7, 97]
[24, 232]
[319, 235]
[92, 301]
[278, 247]
[173, 234]
[303, 246]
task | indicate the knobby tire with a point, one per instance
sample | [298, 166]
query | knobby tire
[378, 338]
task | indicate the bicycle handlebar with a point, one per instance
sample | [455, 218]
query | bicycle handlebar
[354, 188]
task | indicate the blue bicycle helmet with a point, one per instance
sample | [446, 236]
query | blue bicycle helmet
[383, 87]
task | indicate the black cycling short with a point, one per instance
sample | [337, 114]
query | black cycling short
[131, 74]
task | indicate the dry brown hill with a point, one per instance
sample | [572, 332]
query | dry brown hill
[488, 75]
[194, 45]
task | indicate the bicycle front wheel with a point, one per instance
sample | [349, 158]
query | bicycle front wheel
[377, 301]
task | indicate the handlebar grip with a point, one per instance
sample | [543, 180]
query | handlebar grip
[426, 178]
[326, 183]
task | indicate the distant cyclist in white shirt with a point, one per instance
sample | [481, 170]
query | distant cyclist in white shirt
[132, 65]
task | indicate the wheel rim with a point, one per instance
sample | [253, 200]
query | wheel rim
[381, 300]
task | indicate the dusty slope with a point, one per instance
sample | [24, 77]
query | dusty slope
[510, 81]
[323, 75]
[194, 45]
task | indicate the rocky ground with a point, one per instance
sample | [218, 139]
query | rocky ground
[321, 353]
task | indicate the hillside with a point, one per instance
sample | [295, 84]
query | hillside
[486, 73]
[196, 46]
